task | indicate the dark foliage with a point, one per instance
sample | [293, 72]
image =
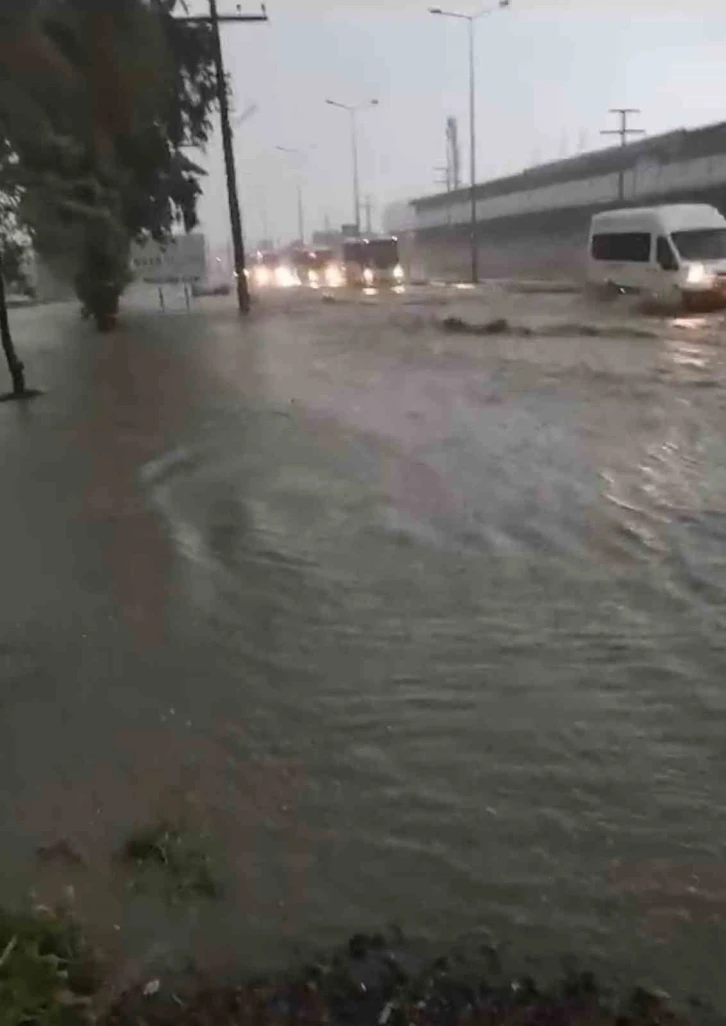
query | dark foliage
[93, 123]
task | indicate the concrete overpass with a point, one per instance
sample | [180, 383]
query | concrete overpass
[535, 223]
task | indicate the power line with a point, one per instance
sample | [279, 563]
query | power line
[624, 132]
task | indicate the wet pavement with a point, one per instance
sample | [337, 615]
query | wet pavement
[414, 626]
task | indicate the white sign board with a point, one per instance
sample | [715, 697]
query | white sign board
[181, 259]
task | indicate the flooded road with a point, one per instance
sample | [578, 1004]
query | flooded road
[415, 627]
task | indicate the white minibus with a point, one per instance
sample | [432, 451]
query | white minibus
[669, 250]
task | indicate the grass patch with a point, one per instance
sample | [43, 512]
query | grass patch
[179, 861]
[46, 973]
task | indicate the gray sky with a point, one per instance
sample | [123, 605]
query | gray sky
[548, 70]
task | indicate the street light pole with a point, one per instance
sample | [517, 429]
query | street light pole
[301, 153]
[472, 157]
[300, 213]
[353, 112]
[472, 20]
[356, 171]
[214, 19]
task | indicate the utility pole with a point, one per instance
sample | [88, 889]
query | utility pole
[452, 171]
[624, 131]
[215, 19]
[453, 156]
[368, 207]
[300, 213]
[445, 178]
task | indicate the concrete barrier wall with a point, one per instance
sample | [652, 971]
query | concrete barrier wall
[535, 250]
[549, 244]
[558, 257]
[650, 182]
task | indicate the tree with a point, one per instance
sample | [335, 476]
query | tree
[148, 89]
[27, 61]
[15, 365]
[104, 165]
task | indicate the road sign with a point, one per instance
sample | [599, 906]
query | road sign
[180, 259]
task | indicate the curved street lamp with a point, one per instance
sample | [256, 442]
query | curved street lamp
[353, 111]
[472, 20]
[293, 151]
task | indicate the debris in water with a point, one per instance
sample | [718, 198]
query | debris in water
[498, 326]
[385, 1014]
[61, 852]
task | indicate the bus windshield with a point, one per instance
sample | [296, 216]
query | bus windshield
[701, 244]
[353, 252]
[383, 253]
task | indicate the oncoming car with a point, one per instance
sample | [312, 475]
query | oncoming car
[271, 270]
[318, 268]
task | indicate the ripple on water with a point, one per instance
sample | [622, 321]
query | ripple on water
[489, 643]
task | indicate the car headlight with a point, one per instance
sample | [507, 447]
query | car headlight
[313, 277]
[262, 276]
[697, 275]
[285, 278]
[398, 272]
[368, 276]
[334, 276]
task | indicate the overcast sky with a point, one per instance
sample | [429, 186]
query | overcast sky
[548, 70]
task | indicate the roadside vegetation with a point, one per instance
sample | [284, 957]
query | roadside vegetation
[98, 104]
[48, 977]
[173, 861]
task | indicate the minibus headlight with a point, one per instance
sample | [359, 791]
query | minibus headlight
[697, 275]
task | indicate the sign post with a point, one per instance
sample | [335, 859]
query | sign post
[180, 261]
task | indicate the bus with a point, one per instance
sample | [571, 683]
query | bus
[372, 261]
[382, 261]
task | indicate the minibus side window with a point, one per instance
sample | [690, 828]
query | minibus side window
[665, 255]
[623, 247]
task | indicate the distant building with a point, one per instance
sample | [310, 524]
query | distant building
[183, 258]
[326, 239]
